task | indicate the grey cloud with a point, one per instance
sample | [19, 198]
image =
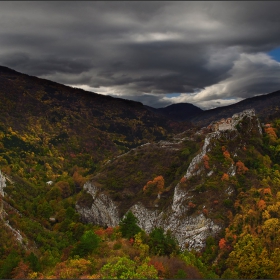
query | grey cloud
[144, 47]
[46, 65]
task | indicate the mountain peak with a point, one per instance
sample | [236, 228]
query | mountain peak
[179, 111]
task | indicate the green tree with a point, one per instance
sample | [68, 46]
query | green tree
[161, 243]
[128, 225]
[171, 244]
[34, 262]
[89, 242]
[156, 241]
[120, 268]
[124, 268]
[9, 264]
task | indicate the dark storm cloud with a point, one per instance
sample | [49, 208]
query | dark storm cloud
[208, 51]
[46, 64]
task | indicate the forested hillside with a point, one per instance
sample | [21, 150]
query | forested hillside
[64, 152]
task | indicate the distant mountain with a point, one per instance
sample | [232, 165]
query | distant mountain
[179, 111]
[267, 107]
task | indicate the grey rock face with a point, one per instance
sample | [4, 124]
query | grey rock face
[2, 183]
[189, 230]
[103, 211]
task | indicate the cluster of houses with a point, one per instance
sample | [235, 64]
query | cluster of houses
[222, 124]
[229, 123]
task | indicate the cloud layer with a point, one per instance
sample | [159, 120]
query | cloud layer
[206, 53]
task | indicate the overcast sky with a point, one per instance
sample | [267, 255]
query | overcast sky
[206, 53]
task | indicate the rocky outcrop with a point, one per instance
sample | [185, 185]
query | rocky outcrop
[192, 169]
[221, 131]
[2, 183]
[103, 210]
[3, 213]
[17, 234]
[190, 230]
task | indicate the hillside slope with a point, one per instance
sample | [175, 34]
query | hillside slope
[267, 107]
[64, 126]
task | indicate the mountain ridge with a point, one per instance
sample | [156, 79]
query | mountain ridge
[264, 105]
[178, 111]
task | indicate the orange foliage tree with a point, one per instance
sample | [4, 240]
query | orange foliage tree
[206, 161]
[100, 232]
[225, 177]
[104, 233]
[271, 133]
[191, 205]
[183, 180]
[21, 271]
[73, 268]
[158, 266]
[226, 154]
[205, 212]
[261, 204]
[157, 183]
[241, 168]
[222, 244]
[267, 191]
[79, 180]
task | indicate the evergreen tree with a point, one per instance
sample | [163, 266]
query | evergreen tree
[161, 243]
[89, 242]
[9, 264]
[34, 262]
[128, 225]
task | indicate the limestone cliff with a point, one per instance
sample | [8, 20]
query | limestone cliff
[2, 183]
[103, 210]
